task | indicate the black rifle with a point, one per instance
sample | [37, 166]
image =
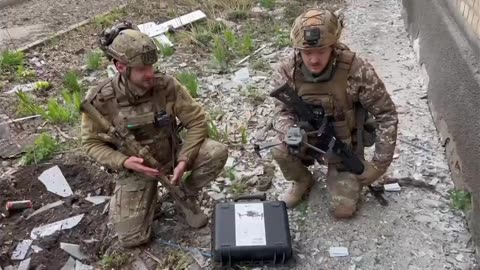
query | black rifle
[324, 131]
[328, 144]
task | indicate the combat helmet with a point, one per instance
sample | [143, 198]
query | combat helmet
[126, 44]
[316, 28]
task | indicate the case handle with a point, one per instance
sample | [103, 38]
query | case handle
[262, 196]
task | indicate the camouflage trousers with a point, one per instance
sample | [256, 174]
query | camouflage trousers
[133, 202]
[343, 187]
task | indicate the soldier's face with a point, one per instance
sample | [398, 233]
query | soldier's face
[316, 59]
[143, 76]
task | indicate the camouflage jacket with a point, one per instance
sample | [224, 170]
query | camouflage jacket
[363, 86]
[168, 95]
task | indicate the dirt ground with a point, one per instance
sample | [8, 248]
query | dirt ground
[24, 185]
[28, 20]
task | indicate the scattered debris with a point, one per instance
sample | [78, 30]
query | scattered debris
[254, 53]
[55, 182]
[21, 250]
[45, 208]
[392, 187]
[73, 250]
[51, 228]
[24, 265]
[338, 252]
[12, 147]
[36, 248]
[138, 264]
[152, 29]
[23, 87]
[18, 205]
[97, 199]
[153, 257]
[69, 265]
[195, 253]
[80, 266]
[20, 119]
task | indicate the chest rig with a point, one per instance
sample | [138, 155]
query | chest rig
[332, 96]
[149, 118]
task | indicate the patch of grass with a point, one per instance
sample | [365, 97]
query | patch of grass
[71, 82]
[293, 9]
[260, 64]
[243, 131]
[44, 148]
[215, 134]
[55, 112]
[107, 20]
[166, 51]
[190, 81]
[221, 53]
[238, 15]
[94, 60]
[238, 187]
[247, 46]
[282, 38]
[114, 261]
[461, 200]
[10, 60]
[27, 106]
[254, 95]
[42, 85]
[25, 74]
[175, 259]
[216, 114]
[268, 4]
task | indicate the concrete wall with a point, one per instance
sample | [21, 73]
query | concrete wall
[446, 35]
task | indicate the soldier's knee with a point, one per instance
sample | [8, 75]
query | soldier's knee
[218, 153]
[344, 209]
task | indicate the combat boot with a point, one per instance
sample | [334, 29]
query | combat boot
[294, 195]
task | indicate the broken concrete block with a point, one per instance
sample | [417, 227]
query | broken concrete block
[69, 265]
[21, 250]
[338, 252]
[97, 199]
[45, 208]
[36, 248]
[24, 265]
[80, 266]
[73, 250]
[51, 228]
[392, 187]
[55, 182]
[152, 29]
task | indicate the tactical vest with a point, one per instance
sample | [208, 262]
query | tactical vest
[139, 117]
[332, 96]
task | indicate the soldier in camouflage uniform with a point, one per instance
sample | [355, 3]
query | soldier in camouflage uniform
[135, 97]
[325, 72]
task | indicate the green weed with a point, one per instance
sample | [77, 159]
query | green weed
[44, 148]
[109, 19]
[25, 74]
[190, 81]
[71, 82]
[461, 200]
[42, 85]
[10, 60]
[246, 47]
[268, 4]
[94, 60]
[243, 131]
[114, 261]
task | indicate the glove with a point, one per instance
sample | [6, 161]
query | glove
[370, 174]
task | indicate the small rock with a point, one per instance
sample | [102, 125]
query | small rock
[258, 10]
[5, 163]
[227, 23]
[183, 65]
[459, 258]
[41, 267]
[278, 11]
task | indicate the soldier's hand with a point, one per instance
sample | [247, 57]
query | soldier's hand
[136, 164]
[178, 173]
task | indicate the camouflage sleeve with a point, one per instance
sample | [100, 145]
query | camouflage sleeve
[98, 148]
[370, 90]
[284, 116]
[193, 118]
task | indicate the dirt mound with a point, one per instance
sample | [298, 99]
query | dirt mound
[25, 185]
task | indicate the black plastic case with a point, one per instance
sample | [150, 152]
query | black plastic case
[251, 232]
